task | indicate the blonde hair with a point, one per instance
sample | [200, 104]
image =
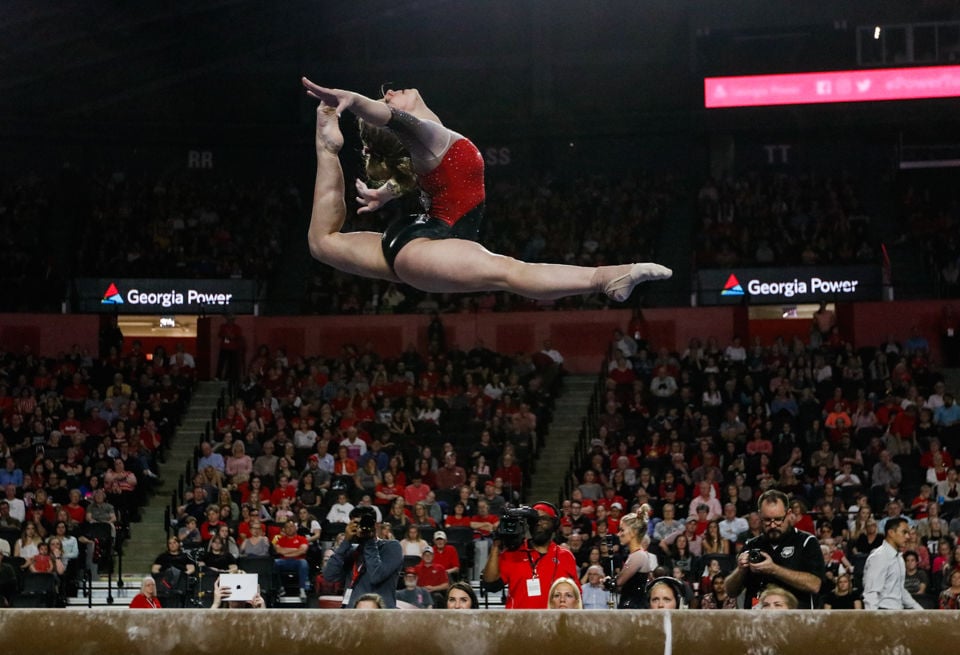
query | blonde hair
[637, 521]
[774, 590]
[573, 586]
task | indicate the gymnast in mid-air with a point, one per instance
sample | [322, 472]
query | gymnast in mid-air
[407, 148]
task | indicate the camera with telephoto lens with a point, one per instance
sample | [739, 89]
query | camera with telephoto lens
[755, 556]
[513, 526]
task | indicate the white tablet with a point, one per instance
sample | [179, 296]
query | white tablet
[242, 586]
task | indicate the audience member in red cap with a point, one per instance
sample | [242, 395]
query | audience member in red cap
[444, 555]
[412, 593]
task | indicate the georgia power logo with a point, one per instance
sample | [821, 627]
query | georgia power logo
[112, 296]
[165, 299]
[732, 287]
[790, 288]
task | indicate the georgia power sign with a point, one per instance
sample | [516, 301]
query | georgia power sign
[769, 286]
[153, 296]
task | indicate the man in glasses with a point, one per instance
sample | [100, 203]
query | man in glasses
[780, 555]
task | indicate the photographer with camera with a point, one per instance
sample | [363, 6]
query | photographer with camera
[632, 580]
[528, 566]
[782, 555]
[365, 563]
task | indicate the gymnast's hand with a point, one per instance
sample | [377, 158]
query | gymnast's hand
[338, 98]
[371, 200]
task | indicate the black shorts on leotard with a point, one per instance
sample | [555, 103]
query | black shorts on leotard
[404, 230]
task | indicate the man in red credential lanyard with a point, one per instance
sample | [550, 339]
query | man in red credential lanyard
[527, 567]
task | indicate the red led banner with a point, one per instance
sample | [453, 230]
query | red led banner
[834, 86]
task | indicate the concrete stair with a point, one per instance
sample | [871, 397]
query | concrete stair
[104, 596]
[553, 463]
[148, 537]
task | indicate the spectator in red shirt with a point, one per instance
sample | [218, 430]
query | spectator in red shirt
[904, 427]
[77, 392]
[209, 527]
[95, 426]
[76, 510]
[444, 554]
[150, 437]
[450, 476]
[457, 519]
[416, 491]
[147, 598]
[433, 577]
[483, 523]
[926, 459]
[292, 550]
[285, 489]
[344, 466]
[231, 422]
[70, 426]
[510, 473]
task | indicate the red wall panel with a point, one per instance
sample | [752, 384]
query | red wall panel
[582, 337]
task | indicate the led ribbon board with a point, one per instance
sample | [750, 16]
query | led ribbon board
[868, 85]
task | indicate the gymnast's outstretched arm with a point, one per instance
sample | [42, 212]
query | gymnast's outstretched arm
[419, 128]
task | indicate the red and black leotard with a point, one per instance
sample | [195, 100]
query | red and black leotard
[452, 195]
[455, 187]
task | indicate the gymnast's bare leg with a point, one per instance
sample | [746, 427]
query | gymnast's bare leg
[358, 253]
[458, 265]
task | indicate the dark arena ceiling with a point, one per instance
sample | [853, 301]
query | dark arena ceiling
[105, 67]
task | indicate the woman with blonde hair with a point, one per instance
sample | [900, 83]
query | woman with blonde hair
[632, 579]
[147, 598]
[239, 462]
[777, 598]
[564, 595]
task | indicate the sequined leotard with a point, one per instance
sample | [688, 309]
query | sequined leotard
[455, 186]
[452, 194]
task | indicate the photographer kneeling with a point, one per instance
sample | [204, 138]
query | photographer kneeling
[528, 566]
[363, 562]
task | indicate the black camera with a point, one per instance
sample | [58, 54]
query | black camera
[513, 526]
[755, 556]
[368, 524]
[610, 584]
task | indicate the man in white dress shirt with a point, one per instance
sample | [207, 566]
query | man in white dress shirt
[884, 572]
